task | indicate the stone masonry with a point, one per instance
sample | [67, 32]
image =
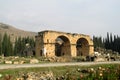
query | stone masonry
[54, 43]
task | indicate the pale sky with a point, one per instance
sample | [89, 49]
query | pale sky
[92, 17]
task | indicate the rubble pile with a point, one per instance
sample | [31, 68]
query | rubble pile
[17, 60]
[98, 56]
[36, 76]
[106, 55]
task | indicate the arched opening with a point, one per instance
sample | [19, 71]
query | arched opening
[33, 51]
[62, 46]
[82, 47]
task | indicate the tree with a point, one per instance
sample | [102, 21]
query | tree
[20, 45]
[0, 44]
[15, 48]
[110, 42]
[7, 45]
[98, 42]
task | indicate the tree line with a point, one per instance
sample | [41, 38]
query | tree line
[111, 42]
[8, 48]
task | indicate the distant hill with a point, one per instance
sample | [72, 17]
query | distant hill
[14, 32]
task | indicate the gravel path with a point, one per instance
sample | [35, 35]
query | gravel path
[12, 66]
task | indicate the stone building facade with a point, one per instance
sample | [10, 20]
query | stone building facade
[54, 43]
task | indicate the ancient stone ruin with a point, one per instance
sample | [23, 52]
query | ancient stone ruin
[57, 44]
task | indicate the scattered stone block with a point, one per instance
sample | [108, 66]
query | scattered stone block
[21, 62]
[1, 75]
[16, 57]
[19, 79]
[8, 62]
[99, 60]
[15, 62]
[34, 61]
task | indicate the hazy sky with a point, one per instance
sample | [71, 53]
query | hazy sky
[93, 17]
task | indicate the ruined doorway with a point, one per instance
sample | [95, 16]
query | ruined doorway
[82, 47]
[62, 46]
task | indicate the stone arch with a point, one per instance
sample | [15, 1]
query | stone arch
[82, 47]
[71, 46]
[62, 46]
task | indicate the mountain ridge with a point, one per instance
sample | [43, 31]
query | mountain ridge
[14, 32]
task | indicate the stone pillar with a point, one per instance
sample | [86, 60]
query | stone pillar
[38, 47]
[91, 49]
[73, 50]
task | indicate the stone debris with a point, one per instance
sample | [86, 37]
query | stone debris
[19, 79]
[15, 62]
[21, 62]
[37, 76]
[34, 61]
[97, 57]
[8, 62]
[1, 75]
[100, 60]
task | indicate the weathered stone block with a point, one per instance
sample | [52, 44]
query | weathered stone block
[8, 62]
[34, 61]
[15, 62]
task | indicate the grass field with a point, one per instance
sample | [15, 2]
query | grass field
[95, 72]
